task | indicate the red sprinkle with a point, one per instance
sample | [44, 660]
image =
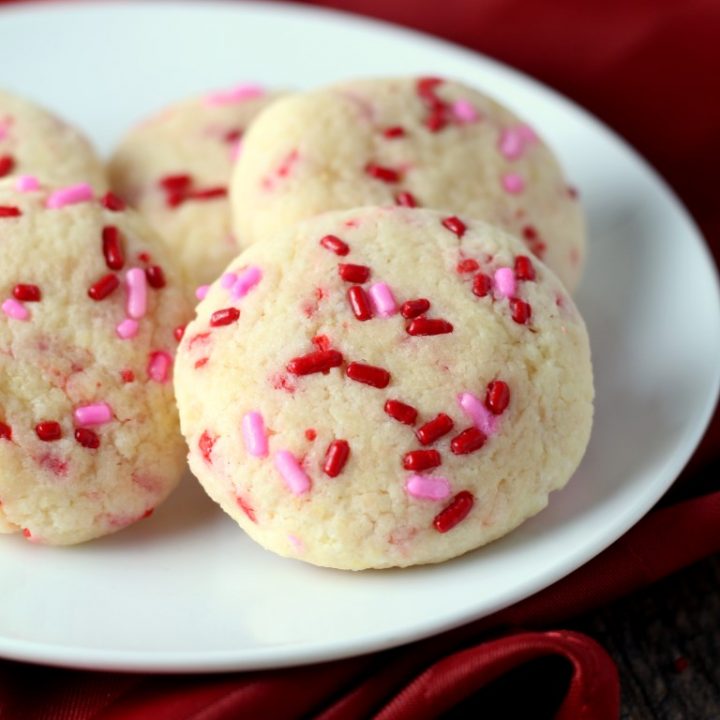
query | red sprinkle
[437, 119]
[5, 431]
[359, 303]
[226, 316]
[232, 136]
[497, 397]
[7, 163]
[144, 257]
[207, 194]
[103, 287]
[428, 326]
[175, 183]
[310, 434]
[205, 443]
[112, 247]
[368, 374]
[482, 285]
[27, 293]
[521, 311]
[155, 277]
[455, 225]
[127, 376]
[8, 211]
[426, 87]
[319, 361]
[385, 174]
[412, 308]
[401, 412]
[354, 273]
[113, 202]
[335, 244]
[455, 512]
[530, 232]
[468, 265]
[468, 441]
[434, 429]
[524, 269]
[26, 533]
[405, 199]
[421, 459]
[201, 363]
[247, 509]
[178, 332]
[87, 438]
[335, 458]
[396, 131]
[321, 342]
[49, 430]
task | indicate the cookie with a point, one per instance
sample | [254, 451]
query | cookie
[413, 142]
[384, 387]
[34, 141]
[90, 303]
[175, 169]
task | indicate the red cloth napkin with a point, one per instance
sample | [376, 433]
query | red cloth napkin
[650, 70]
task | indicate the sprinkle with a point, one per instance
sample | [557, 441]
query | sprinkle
[396, 131]
[246, 508]
[70, 195]
[87, 438]
[7, 163]
[426, 86]
[253, 430]
[155, 277]
[497, 397]
[385, 174]
[5, 431]
[27, 293]
[335, 244]
[336, 456]
[455, 225]
[482, 284]
[468, 441]
[359, 303]
[244, 91]
[467, 265]
[228, 280]
[176, 183]
[383, 300]
[27, 183]
[15, 310]
[412, 308]
[311, 434]
[524, 269]
[206, 443]
[513, 183]
[405, 199]
[521, 311]
[434, 429]
[421, 459]
[127, 329]
[368, 374]
[480, 416]
[137, 292]
[295, 477]
[127, 376]
[428, 326]
[226, 316]
[246, 281]
[48, 430]
[112, 202]
[511, 144]
[401, 412]
[159, 366]
[178, 332]
[207, 193]
[112, 247]
[9, 211]
[437, 119]
[455, 512]
[201, 291]
[97, 414]
[505, 282]
[106, 285]
[353, 273]
[465, 112]
[296, 542]
[427, 487]
[314, 362]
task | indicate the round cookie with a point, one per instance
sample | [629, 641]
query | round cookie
[89, 300]
[33, 141]
[425, 142]
[384, 387]
[175, 169]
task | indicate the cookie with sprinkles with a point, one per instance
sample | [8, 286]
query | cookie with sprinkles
[175, 169]
[384, 387]
[90, 303]
[34, 141]
[412, 142]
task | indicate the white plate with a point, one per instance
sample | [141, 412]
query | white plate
[186, 590]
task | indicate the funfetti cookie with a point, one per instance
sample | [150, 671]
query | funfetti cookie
[34, 141]
[413, 142]
[384, 387]
[175, 168]
[90, 311]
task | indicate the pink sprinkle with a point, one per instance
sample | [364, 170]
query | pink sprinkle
[465, 111]
[127, 329]
[236, 150]
[253, 429]
[427, 487]
[14, 309]
[26, 183]
[527, 134]
[246, 281]
[513, 183]
[228, 280]
[295, 478]
[70, 195]
[481, 417]
[97, 414]
[296, 542]
[137, 292]
[383, 300]
[244, 91]
[159, 366]
[511, 144]
[201, 292]
[505, 282]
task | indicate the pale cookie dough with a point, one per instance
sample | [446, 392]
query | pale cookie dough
[89, 306]
[411, 141]
[384, 387]
[35, 142]
[175, 169]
